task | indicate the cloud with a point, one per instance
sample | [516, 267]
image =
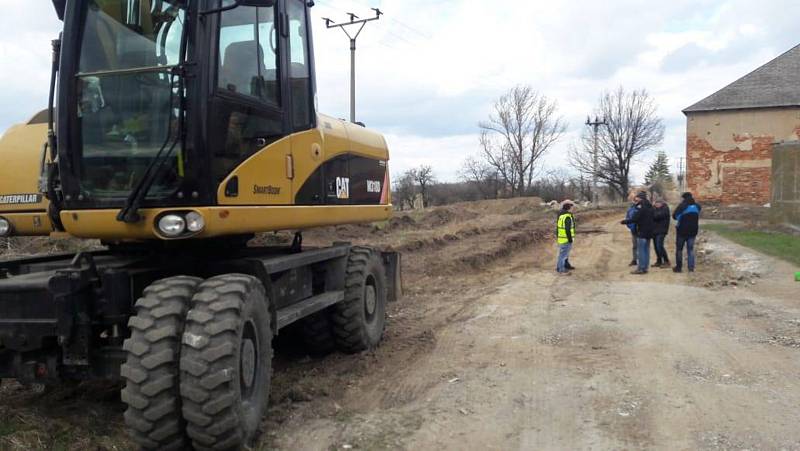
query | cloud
[440, 79]
[428, 72]
[28, 28]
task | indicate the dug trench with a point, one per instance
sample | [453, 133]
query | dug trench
[490, 349]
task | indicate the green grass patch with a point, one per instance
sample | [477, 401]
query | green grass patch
[777, 244]
[8, 428]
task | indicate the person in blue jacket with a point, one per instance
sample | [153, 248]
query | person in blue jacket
[687, 216]
[645, 228]
[632, 228]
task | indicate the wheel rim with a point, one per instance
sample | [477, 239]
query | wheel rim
[370, 298]
[248, 359]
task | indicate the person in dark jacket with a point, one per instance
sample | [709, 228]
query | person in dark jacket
[662, 220]
[645, 226]
[687, 216]
[632, 228]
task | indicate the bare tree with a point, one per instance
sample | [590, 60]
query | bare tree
[424, 178]
[582, 186]
[632, 128]
[522, 128]
[482, 176]
[405, 190]
[554, 185]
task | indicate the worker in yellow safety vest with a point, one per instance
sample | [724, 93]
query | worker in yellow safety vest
[565, 230]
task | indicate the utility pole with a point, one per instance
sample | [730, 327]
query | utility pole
[354, 21]
[681, 176]
[595, 125]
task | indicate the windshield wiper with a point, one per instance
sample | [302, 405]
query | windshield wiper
[130, 211]
[131, 71]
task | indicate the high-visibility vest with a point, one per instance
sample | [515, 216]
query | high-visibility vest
[562, 228]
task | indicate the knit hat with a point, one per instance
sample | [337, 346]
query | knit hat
[642, 195]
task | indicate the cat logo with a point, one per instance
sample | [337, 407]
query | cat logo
[20, 199]
[342, 188]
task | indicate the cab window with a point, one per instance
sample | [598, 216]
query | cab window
[299, 70]
[247, 112]
[248, 54]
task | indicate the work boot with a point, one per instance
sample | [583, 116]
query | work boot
[677, 269]
[569, 267]
[638, 272]
[666, 264]
[657, 264]
[633, 263]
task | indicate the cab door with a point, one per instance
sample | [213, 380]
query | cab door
[248, 139]
[307, 140]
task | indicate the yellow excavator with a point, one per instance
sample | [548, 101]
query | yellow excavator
[23, 207]
[177, 130]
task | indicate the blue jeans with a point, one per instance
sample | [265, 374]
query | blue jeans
[563, 255]
[644, 254]
[689, 242]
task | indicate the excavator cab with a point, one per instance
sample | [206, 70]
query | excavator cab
[161, 99]
[171, 107]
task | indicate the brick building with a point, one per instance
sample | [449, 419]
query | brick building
[730, 134]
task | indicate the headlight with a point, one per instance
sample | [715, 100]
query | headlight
[5, 227]
[195, 222]
[172, 226]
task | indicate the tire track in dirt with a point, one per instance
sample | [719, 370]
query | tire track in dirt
[461, 269]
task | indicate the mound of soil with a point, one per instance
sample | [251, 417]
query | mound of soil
[443, 215]
[401, 221]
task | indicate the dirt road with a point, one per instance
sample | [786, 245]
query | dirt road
[490, 349]
[517, 357]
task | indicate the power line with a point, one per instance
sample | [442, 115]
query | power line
[409, 27]
[399, 37]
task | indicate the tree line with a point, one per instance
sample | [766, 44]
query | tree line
[523, 126]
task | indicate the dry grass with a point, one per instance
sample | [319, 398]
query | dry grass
[11, 248]
[67, 418]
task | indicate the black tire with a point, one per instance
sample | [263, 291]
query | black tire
[226, 362]
[151, 370]
[360, 319]
[317, 332]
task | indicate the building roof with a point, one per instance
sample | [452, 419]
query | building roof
[775, 84]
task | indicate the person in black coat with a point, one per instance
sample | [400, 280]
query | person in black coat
[662, 220]
[644, 219]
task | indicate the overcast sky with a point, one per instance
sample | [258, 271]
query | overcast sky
[430, 70]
